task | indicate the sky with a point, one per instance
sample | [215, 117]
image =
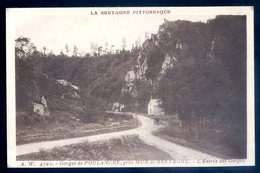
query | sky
[54, 29]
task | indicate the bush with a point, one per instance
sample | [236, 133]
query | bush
[94, 109]
[29, 119]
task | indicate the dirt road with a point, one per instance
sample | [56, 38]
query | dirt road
[144, 132]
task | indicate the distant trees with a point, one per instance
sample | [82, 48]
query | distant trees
[95, 49]
[25, 49]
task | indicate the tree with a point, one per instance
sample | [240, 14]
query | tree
[106, 48]
[94, 107]
[51, 54]
[61, 53]
[155, 58]
[138, 43]
[67, 49]
[75, 51]
[143, 94]
[99, 50]
[205, 83]
[111, 49]
[44, 51]
[24, 48]
[124, 44]
[147, 35]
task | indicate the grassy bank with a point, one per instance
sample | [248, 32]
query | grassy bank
[124, 148]
[215, 145]
[53, 130]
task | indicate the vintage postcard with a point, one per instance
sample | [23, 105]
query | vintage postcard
[130, 87]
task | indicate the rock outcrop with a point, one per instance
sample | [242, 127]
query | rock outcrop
[66, 83]
[41, 108]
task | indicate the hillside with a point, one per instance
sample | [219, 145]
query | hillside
[197, 69]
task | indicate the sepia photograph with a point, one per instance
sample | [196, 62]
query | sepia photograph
[130, 87]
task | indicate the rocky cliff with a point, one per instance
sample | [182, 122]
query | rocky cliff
[191, 43]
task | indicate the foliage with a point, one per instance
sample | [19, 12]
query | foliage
[100, 80]
[210, 84]
[144, 91]
[154, 62]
